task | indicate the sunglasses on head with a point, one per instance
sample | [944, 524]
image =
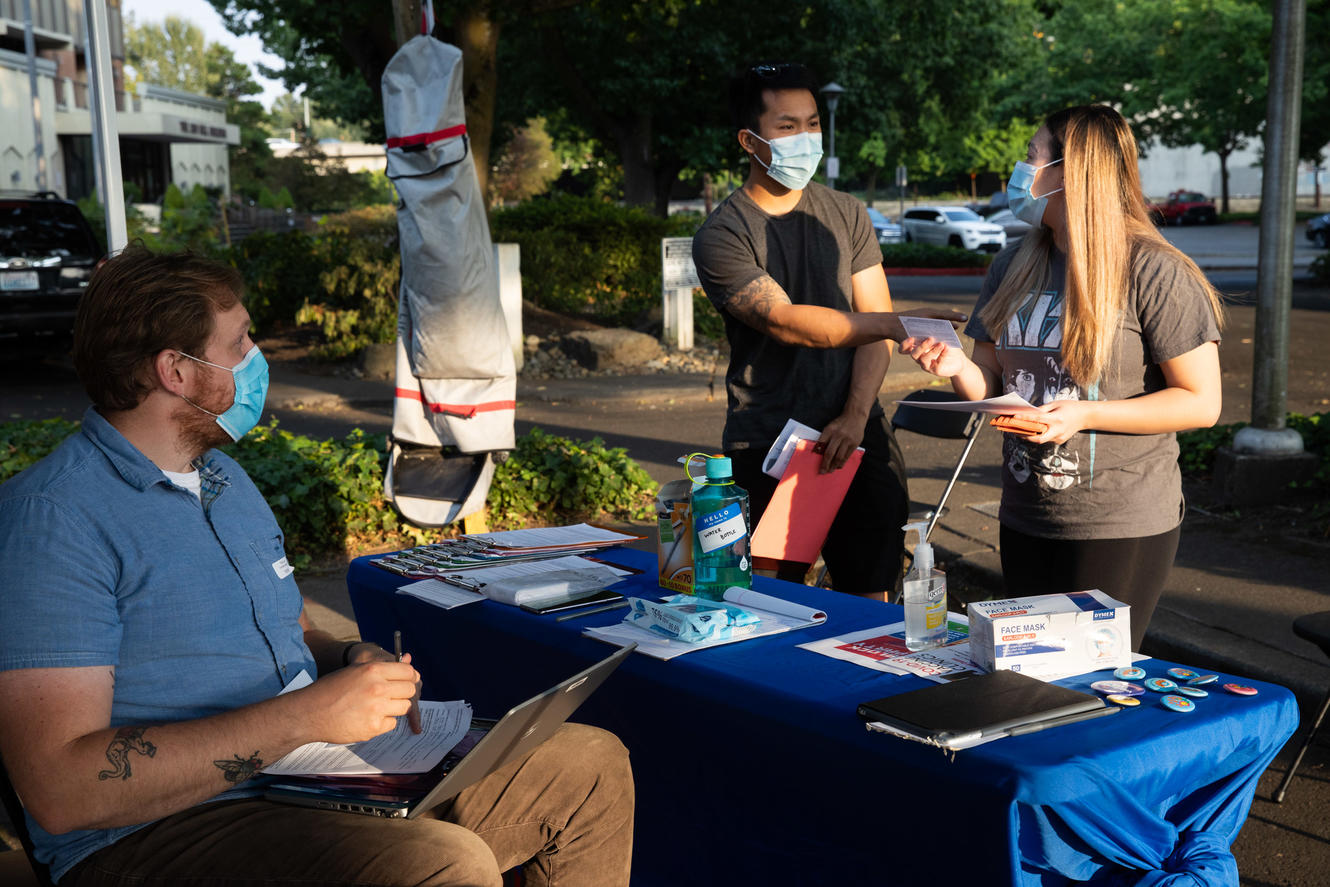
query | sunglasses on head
[767, 71]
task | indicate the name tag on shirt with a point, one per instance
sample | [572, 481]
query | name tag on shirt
[282, 568]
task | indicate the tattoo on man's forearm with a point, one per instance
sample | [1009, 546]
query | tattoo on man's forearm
[127, 739]
[240, 769]
[757, 300]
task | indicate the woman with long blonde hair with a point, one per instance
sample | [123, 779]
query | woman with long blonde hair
[1112, 334]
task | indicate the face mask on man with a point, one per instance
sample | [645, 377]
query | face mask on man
[794, 158]
[1024, 205]
[250, 378]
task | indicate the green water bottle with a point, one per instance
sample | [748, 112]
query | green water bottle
[720, 532]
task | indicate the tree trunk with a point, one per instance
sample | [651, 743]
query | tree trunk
[667, 173]
[477, 35]
[639, 174]
[872, 184]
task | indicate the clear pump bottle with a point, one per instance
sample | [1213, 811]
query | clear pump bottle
[925, 596]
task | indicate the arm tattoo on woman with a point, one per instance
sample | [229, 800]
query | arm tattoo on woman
[754, 303]
[240, 769]
[127, 739]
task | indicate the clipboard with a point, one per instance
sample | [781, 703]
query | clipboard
[799, 516]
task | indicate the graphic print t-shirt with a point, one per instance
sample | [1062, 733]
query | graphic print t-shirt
[1097, 485]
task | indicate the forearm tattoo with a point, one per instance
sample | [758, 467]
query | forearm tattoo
[754, 303]
[127, 739]
[238, 770]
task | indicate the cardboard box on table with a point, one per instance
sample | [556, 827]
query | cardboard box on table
[1051, 636]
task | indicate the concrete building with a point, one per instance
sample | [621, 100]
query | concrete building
[1192, 169]
[165, 135]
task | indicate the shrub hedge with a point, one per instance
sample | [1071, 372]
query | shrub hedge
[327, 495]
[926, 255]
[587, 257]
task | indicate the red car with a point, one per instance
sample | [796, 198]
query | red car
[1184, 208]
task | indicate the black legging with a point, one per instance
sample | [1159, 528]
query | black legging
[1130, 570]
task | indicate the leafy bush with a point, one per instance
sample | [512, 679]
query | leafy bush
[926, 255]
[554, 479]
[26, 442]
[327, 495]
[344, 278]
[1196, 449]
[360, 276]
[587, 257]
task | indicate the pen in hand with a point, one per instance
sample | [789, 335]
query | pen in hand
[397, 645]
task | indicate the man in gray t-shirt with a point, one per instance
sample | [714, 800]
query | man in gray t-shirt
[796, 273]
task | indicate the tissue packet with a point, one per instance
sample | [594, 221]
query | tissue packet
[690, 619]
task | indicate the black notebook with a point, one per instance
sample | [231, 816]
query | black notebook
[1000, 703]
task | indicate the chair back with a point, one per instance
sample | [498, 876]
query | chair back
[14, 810]
[933, 423]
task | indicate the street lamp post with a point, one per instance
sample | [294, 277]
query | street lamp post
[832, 92]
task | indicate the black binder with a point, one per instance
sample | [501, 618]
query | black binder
[996, 703]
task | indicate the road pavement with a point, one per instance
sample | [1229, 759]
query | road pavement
[1238, 582]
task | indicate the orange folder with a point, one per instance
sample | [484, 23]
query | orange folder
[797, 520]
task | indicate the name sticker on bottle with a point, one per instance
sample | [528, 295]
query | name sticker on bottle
[720, 528]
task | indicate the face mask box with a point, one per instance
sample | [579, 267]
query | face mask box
[674, 541]
[1051, 636]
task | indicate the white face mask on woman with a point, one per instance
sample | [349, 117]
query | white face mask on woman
[794, 158]
[1024, 205]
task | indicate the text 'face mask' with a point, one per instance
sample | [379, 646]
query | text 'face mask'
[1024, 205]
[250, 377]
[794, 158]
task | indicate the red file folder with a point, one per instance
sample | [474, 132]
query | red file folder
[797, 520]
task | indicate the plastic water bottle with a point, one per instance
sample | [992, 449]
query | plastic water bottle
[720, 533]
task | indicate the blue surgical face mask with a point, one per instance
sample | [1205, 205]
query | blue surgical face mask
[794, 158]
[1024, 205]
[250, 377]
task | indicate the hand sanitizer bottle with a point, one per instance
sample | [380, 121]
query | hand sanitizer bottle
[925, 596]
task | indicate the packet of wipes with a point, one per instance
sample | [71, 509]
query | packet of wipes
[684, 617]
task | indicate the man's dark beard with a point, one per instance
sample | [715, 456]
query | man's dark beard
[198, 431]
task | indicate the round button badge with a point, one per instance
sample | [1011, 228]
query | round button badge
[1119, 688]
[1129, 673]
[1181, 674]
[1203, 679]
[1127, 701]
[1160, 685]
[1194, 692]
[1178, 703]
[1241, 690]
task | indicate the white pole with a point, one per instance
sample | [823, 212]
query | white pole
[30, 49]
[106, 139]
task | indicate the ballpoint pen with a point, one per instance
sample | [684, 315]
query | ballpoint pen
[604, 609]
[397, 645]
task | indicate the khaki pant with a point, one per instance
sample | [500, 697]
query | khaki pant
[565, 813]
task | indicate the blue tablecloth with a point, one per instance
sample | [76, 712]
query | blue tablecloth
[753, 768]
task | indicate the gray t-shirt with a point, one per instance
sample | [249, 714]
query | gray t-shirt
[1098, 485]
[812, 252]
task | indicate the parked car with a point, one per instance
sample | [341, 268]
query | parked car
[997, 202]
[952, 226]
[1185, 208]
[47, 254]
[887, 230]
[1015, 228]
[1318, 231]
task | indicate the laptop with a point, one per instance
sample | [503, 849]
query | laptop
[487, 746]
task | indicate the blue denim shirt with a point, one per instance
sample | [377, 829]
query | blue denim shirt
[107, 563]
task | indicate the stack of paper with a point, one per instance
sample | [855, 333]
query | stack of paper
[515, 582]
[883, 649]
[487, 549]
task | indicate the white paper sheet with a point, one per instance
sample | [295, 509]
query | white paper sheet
[397, 751]
[883, 649]
[778, 457]
[997, 406]
[441, 594]
[622, 633]
[549, 537]
[925, 327]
